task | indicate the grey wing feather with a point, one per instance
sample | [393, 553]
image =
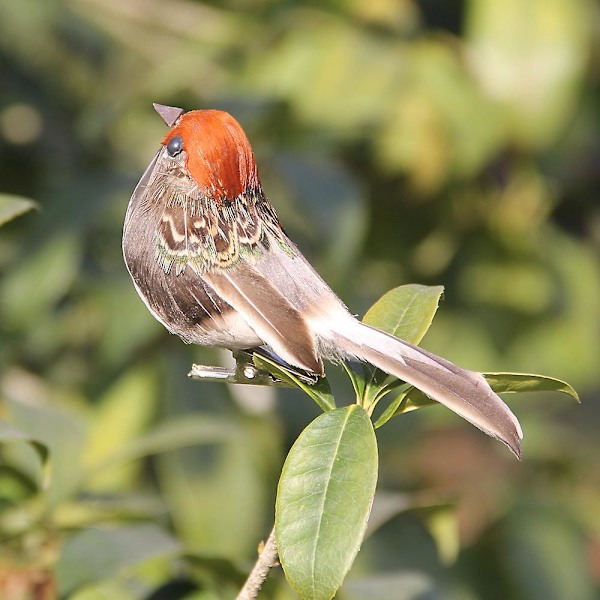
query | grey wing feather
[465, 392]
[269, 313]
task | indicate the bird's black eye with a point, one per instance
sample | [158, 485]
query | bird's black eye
[174, 146]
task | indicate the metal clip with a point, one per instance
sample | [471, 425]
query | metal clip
[246, 372]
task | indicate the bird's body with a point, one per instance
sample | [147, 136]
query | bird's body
[208, 256]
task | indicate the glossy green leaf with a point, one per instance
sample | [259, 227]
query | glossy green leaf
[324, 499]
[12, 207]
[320, 391]
[390, 410]
[501, 383]
[406, 311]
[527, 382]
[414, 399]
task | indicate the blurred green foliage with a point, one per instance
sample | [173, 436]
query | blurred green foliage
[452, 143]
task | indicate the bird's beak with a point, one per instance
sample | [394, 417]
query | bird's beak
[169, 114]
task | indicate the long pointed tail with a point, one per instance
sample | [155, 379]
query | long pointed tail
[465, 392]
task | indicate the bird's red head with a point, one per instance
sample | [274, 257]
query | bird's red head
[219, 155]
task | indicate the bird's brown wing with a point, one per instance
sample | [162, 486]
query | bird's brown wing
[279, 324]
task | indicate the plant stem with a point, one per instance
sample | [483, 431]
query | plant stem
[268, 558]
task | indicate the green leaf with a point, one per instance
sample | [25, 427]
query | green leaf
[392, 409]
[437, 510]
[118, 589]
[125, 410]
[216, 494]
[324, 499]
[414, 399]
[88, 510]
[42, 279]
[320, 391]
[500, 382]
[442, 523]
[527, 382]
[62, 431]
[12, 207]
[406, 311]
[387, 505]
[25, 458]
[96, 554]
[10, 433]
[176, 433]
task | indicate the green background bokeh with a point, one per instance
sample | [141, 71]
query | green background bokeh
[452, 143]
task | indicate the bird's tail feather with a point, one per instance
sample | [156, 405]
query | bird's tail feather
[465, 392]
